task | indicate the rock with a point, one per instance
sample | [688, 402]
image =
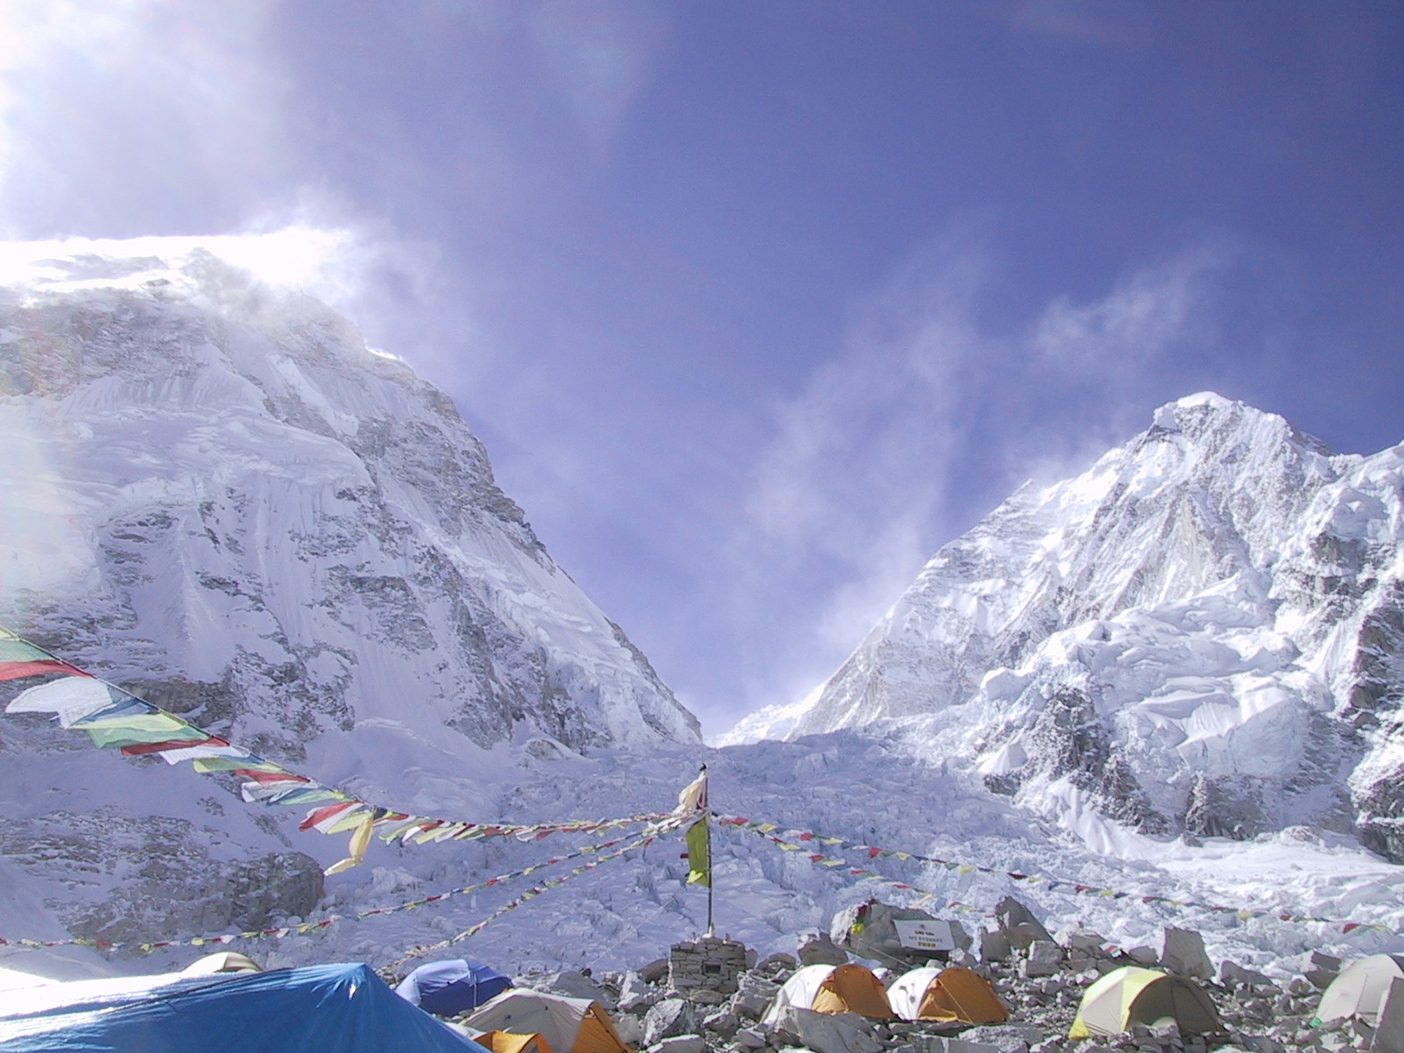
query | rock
[1018, 924]
[669, 1018]
[776, 963]
[630, 1029]
[634, 993]
[1320, 969]
[1089, 943]
[681, 1044]
[827, 1032]
[994, 945]
[576, 984]
[1143, 956]
[1007, 1038]
[1299, 987]
[1044, 959]
[1389, 1029]
[819, 949]
[750, 1038]
[655, 972]
[724, 1023]
[1183, 954]
[1233, 975]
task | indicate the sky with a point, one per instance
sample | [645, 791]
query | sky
[756, 305]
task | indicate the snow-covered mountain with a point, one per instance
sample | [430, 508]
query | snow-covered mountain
[217, 496]
[1203, 633]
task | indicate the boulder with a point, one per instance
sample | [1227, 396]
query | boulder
[1320, 969]
[819, 949]
[750, 1038]
[574, 983]
[1018, 923]
[681, 1044]
[1389, 1029]
[669, 1018]
[1183, 954]
[869, 930]
[634, 993]
[827, 1032]
[1233, 975]
[1044, 959]
[994, 946]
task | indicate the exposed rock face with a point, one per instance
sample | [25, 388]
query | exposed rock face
[1203, 633]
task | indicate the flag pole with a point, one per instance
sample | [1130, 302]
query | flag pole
[711, 881]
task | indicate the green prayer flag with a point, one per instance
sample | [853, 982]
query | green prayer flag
[699, 855]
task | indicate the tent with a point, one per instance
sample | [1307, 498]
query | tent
[319, 1009]
[1132, 995]
[569, 1025]
[1359, 989]
[510, 1042]
[929, 993]
[833, 989]
[453, 986]
[222, 962]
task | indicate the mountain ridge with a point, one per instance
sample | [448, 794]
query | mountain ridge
[1220, 589]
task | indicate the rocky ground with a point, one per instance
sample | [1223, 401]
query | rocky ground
[1040, 980]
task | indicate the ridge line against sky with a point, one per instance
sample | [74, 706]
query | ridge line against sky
[755, 308]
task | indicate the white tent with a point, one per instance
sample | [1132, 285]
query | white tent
[570, 1025]
[1360, 988]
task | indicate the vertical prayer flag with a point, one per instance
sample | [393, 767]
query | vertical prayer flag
[699, 854]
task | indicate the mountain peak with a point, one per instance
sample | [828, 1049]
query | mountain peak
[1191, 635]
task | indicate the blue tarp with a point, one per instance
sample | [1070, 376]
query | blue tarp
[453, 986]
[318, 1009]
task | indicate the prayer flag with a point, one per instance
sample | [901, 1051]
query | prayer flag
[699, 855]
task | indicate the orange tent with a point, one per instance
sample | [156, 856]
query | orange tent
[954, 994]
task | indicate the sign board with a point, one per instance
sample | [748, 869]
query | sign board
[929, 935]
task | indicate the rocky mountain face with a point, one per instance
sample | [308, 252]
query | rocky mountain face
[218, 497]
[1202, 635]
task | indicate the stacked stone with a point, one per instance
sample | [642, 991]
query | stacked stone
[708, 964]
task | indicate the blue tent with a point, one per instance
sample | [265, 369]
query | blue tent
[319, 1009]
[454, 986]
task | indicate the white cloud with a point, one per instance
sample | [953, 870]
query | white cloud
[929, 415]
[1146, 314]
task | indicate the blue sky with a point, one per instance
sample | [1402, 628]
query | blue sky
[757, 304]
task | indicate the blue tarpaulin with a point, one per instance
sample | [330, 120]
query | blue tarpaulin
[318, 1009]
[453, 986]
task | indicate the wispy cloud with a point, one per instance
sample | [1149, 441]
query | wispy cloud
[930, 413]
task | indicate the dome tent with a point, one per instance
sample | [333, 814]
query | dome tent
[950, 994]
[1132, 995]
[833, 989]
[1359, 989]
[453, 986]
[569, 1025]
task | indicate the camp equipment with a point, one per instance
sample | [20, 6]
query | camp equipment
[450, 987]
[1132, 995]
[950, 994]
[833, 989]
[570, 1025]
